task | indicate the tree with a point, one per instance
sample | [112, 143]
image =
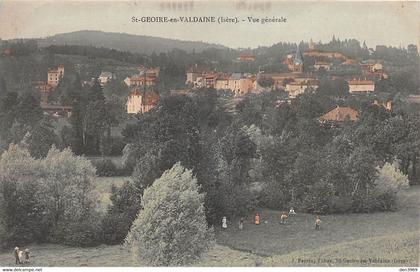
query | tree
[125, 204]
[162, 138]
[40, 139]
[91, 119]
[3, 87]
[389, 182]
[8, 111]
[50, 199]
[22, 216]
[361, 172]
[3, 233]
[265, 82]
[171, 228]
[29, 110]
[67, 187]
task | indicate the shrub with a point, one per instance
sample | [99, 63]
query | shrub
[171, 227]
[112, 146]
[125, 203]
[83, 234]
[389, 182]
[318, 198]
[20, 211]
[115, 228]
[44, 197]
[272, 196]
[341, 204]
[106, 168]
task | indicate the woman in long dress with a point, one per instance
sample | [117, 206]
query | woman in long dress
[224, 222]
[241, 223]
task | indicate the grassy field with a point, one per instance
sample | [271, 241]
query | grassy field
[388, 239]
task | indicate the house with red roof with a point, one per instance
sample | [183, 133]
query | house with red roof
[340, 114]
[141, 101]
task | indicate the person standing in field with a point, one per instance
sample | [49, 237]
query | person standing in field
[27, 255]
[224, 222]
[292, 211]
[241, 223]
[16, 252]
[257, 219]
[317, 223]
[283, 218]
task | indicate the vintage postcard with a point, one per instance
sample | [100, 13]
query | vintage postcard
[186, 133]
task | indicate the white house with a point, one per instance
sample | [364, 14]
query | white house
[105, 77]
[361, 86]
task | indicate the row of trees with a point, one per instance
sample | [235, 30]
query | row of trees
[91, 120]
[54, 200]
[22, 120]
[281, 147]
[47, 200]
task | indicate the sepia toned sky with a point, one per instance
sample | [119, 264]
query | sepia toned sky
[388, 23]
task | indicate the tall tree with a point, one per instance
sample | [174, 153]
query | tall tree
[171, 228]
[40, 138]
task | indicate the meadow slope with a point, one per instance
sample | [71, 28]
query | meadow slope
[388, 239]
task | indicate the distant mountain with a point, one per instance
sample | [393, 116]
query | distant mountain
[125, 42]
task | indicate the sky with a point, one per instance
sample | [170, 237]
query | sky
[377, 23]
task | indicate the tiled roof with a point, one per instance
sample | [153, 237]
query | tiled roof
[105, 74]
[340, 114]
[361, 82]
[306, 82]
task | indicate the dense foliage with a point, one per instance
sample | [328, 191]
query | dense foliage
[171, 227]
[47, 199]
[125, 204]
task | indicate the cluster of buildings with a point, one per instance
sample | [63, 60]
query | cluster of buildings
[294, 82]
[142, 96]
[54, 76]
[297, 80]
[145, 77]
[238, 83]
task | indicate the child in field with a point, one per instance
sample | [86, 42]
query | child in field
[241, 223]
[292, 211]
[317, 223]
[224, 222]
[283, 218]
[257, 219]
[27, 255]
[16, 252]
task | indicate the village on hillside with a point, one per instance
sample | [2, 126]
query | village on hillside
[302, 73]
[294, 154]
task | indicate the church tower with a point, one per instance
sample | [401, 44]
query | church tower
[298, 61]
[311, 45]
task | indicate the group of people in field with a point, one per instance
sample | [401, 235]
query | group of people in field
[21, 256]
[283, 220]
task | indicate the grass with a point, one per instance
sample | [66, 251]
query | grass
[273, 238]
[58, 255]
[386, 237]
[389, 250]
